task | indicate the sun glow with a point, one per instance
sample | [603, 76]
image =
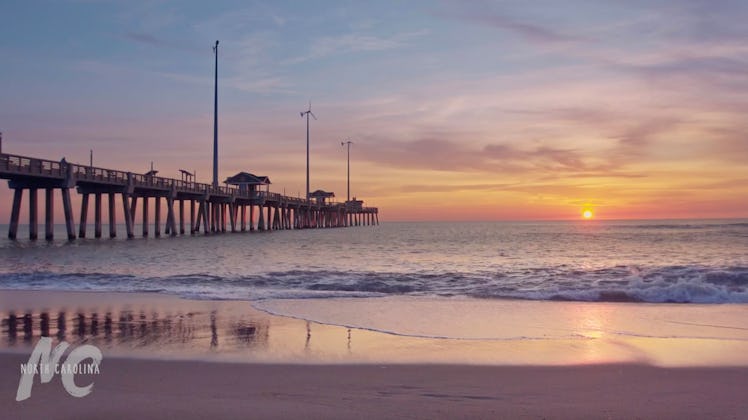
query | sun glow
[587, 214]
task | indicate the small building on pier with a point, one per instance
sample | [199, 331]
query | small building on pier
[248, 182]
[321, 196]
[354, 205]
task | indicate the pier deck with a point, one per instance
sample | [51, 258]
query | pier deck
[211, 209]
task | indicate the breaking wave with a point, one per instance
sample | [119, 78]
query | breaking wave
[673, 284]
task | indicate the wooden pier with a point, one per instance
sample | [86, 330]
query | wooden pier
[208, 209]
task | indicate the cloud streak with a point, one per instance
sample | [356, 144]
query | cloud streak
[484, 14]
[350, 43]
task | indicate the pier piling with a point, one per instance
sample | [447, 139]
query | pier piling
[129, 216]
[84, 216]
[97, 215]
[112, 217]
[181, 217]
[157, 217]
[33, 214]
[49, 217]
[145, 217]
[15, 213]
[67, 208]
[192, 217]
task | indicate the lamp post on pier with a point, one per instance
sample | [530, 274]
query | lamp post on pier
[348, 143]
[215, 120]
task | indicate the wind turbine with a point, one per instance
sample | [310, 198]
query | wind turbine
[349, 143]
[308, 112]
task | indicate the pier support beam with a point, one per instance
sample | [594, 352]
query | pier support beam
[196, 225]
[251, 218]
[243, 209]
[84, 216]
[171, 219]
[15, 213]
[260, 220]
[49, 219]
[192, 217]
[97, 215]
[129, 216]
[33, 214]
[222, 215]
[206, 211]
[157, 217]
[67, 208]
[212, 211]
[167, 225]
[181, 217]
[145, 216]
[217, 216]
[232, 216]
[133, 208]
[112, 217]
[207, 217]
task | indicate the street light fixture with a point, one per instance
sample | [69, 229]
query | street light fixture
[349, 143]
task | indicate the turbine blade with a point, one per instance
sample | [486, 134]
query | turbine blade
[313, 116]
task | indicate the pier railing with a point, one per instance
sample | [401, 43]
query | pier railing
[24, 165]
[31, 166]
[209, 205]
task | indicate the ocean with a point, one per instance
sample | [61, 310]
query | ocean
[682, 261]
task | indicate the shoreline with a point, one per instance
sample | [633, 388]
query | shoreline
[164, 355]
[371, 330]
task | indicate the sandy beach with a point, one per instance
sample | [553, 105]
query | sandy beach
[165, 356]
[131, 388]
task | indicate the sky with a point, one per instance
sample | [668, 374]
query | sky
[479, 110]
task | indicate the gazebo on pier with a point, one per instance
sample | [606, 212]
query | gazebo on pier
[248, 182]
[321, 196]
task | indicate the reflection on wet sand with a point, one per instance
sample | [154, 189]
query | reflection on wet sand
[157, 326]
[140, 329]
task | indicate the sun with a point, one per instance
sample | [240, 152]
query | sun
[587, 214]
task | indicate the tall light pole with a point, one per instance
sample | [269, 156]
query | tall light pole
[349, 143]
[215, 120]
[308, 112]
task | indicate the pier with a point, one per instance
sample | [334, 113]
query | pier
[191, 207]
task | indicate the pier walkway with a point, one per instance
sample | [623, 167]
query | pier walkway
[210, 209]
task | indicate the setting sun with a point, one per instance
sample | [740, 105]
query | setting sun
[587, 214]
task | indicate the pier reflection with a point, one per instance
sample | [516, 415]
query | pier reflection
[136, 329]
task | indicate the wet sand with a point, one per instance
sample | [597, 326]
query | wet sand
[165, 356]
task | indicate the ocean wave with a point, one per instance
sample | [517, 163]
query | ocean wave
[666, 284]
[685, 226]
